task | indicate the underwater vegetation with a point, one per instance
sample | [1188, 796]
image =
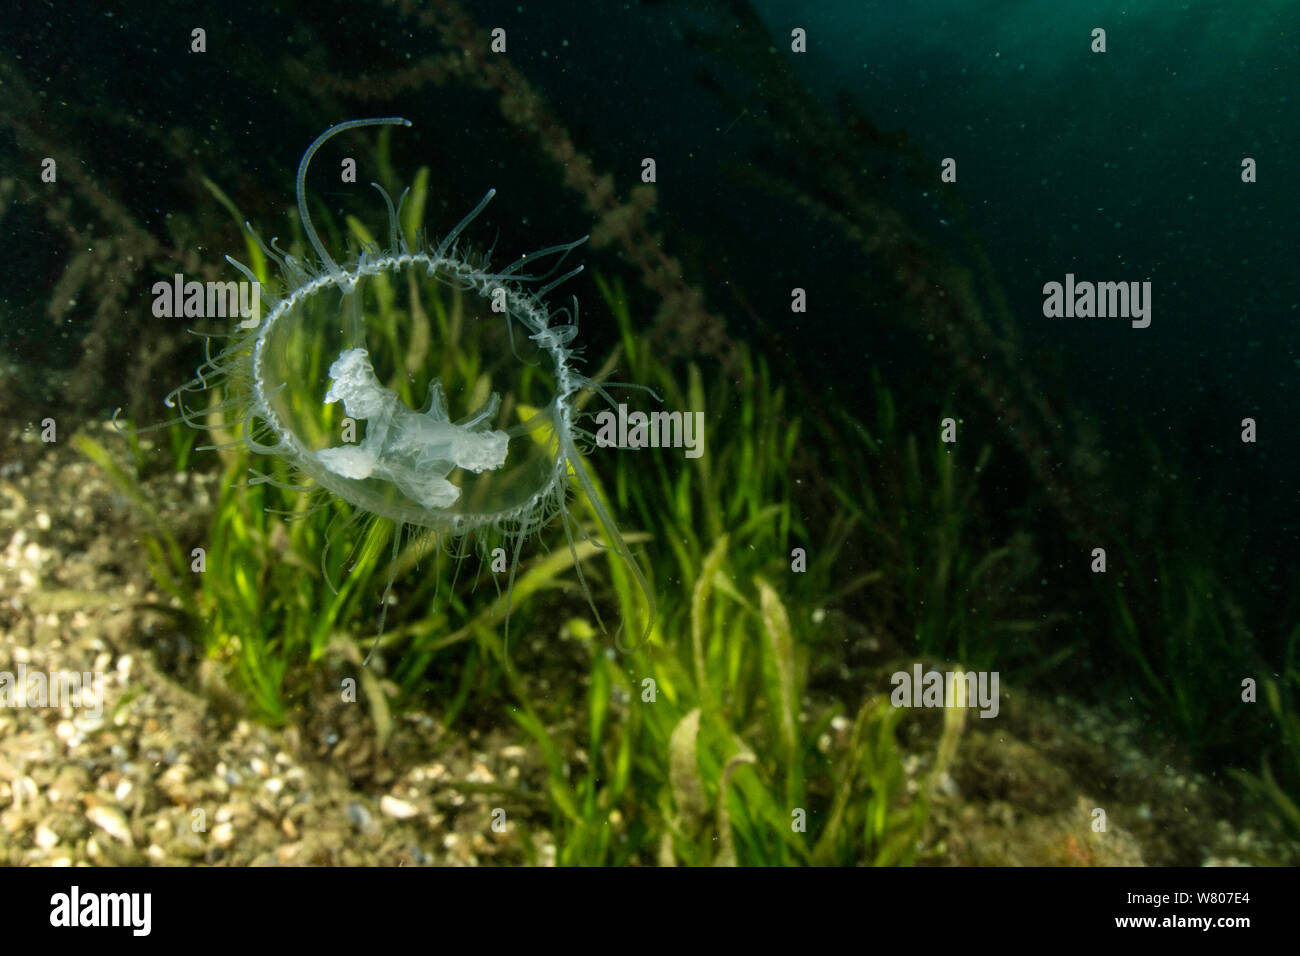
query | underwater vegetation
[707, 773]
[1170, 610]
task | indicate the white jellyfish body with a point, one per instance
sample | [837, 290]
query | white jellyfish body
[414, 450]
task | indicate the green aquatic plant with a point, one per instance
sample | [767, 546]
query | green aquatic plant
[1278, 780]
[701, 765]
[700, 745]
[1188, 652]
[704, 746]
[715, 766]
[164, 557]
[957, 593]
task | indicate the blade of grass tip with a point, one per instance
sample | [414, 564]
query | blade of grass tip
[379, 709]
[696, 403]
[412, 214]
[125, 482]
[417, 346]
[845, 775]
[684, 773]
[776, 624]
[954, 720]
[598, 696]
[726, 841]
[726, 586]
[383, 289]
[612, 294]
[384, 155]
[627, 745]
[699, 599]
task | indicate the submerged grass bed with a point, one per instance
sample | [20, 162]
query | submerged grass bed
[702, 744]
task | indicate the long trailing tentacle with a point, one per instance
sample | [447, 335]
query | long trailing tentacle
[307, 227]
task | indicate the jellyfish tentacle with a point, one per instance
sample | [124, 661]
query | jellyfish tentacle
[449, 240]
[320, 140]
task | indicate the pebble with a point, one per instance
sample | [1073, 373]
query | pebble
[112, 821]
[24, 790]
[173, 782]
[45, 837]
[360, 817]
[397, 809]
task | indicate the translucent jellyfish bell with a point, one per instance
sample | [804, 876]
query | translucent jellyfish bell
[418, 384]
[424, 411]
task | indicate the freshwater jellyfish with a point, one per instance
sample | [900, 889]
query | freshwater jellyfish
[342, 377]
